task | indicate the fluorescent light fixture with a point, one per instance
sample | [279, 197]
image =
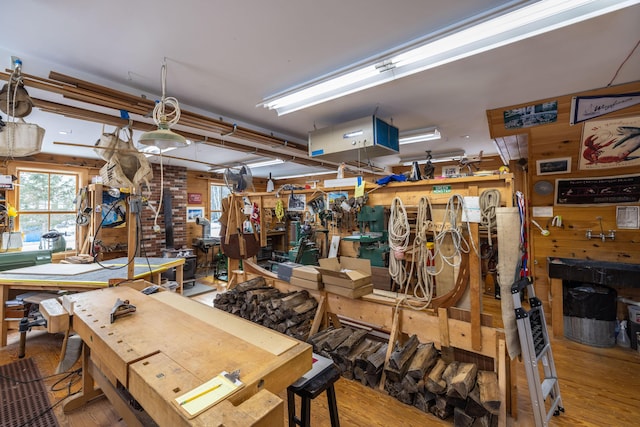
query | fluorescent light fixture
[266, 163]
[501, 149]
[494, 28]
[419, 135]
[436, 157]
[304, 175]
[258, 164]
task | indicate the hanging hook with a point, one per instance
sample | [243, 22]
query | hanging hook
[235, 127]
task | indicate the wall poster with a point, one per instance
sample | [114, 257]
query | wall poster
[611, 143]
[531, 115]
[598, 191]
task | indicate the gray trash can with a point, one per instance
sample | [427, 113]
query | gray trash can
[589, 314]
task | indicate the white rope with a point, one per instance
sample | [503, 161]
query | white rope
[489, 201]
[422, 260]
[159, 113]
[399, 231]
[451, 228]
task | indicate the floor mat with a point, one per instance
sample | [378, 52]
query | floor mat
[25, 402]
[196, 289]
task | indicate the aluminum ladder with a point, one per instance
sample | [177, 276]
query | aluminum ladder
[536, 348]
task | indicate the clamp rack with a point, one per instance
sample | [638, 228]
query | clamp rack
[534, 341]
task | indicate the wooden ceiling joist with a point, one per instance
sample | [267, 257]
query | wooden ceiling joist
[258, 143]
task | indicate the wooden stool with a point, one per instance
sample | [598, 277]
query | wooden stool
[310, 390]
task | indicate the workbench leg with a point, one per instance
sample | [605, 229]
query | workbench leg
[180, 277]
[4, 290]
[88, 391]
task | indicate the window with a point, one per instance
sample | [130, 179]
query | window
[217, 193]
[46, 202]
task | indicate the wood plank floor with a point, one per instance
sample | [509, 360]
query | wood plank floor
[599, 387]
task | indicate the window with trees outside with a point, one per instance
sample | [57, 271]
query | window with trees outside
[217, 193]
[46, 202]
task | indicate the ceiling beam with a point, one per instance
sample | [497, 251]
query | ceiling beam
[258, 143]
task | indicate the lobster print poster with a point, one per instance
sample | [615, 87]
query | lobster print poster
[608, 144]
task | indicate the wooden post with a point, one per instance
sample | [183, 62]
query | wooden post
[393, 336]
[132, 238]
[475, 277]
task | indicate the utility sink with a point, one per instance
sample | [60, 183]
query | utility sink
[598, 272]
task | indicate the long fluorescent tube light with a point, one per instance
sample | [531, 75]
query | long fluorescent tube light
[481, 33]
[266, 163]
[446, 156]
[257, 164]
[304, 175]
[419, 135]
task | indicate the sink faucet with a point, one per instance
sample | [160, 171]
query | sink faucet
[611, 235]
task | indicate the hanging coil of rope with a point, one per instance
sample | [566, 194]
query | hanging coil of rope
[451, 228]
[399, 231]
[489, 201]
[422, 259]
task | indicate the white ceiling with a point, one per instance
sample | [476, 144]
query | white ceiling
[223, 57]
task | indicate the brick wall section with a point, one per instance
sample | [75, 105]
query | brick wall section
[175, 181]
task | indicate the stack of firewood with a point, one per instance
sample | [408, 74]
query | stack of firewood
[357, 356]
[290, 313]
[415, 374]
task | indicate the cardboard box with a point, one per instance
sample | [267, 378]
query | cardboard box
[304, 283]
[307, 272]
[349, 293]
[348, 273]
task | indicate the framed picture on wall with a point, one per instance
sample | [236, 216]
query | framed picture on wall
[194, 212]
[553, 166]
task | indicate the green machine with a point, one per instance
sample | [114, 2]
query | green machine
[305, 251]
[373, 236]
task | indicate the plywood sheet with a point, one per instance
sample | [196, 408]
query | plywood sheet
[56, 269]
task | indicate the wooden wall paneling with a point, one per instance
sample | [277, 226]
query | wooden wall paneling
[557, 140]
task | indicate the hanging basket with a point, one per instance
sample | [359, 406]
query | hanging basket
[20, 139]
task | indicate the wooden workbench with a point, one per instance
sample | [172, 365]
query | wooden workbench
[80, 277]
[169, 346]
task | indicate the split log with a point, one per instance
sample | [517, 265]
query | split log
[408, 389]
[489, 420]
[461, 419]
[317, 339]
[346, 362]
[353, 340]
[456, 401]
[450, 371]
[401, 359]
[434, 382]
[375, 364]
[423, 401]
[256, 282]
[474, 407]
[289, 313]
[424, 358]
[489, 391]
[463, 380]
[441, 408]
[335, 339]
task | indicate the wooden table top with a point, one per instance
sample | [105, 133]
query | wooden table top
[87, 274]
[171, 344]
